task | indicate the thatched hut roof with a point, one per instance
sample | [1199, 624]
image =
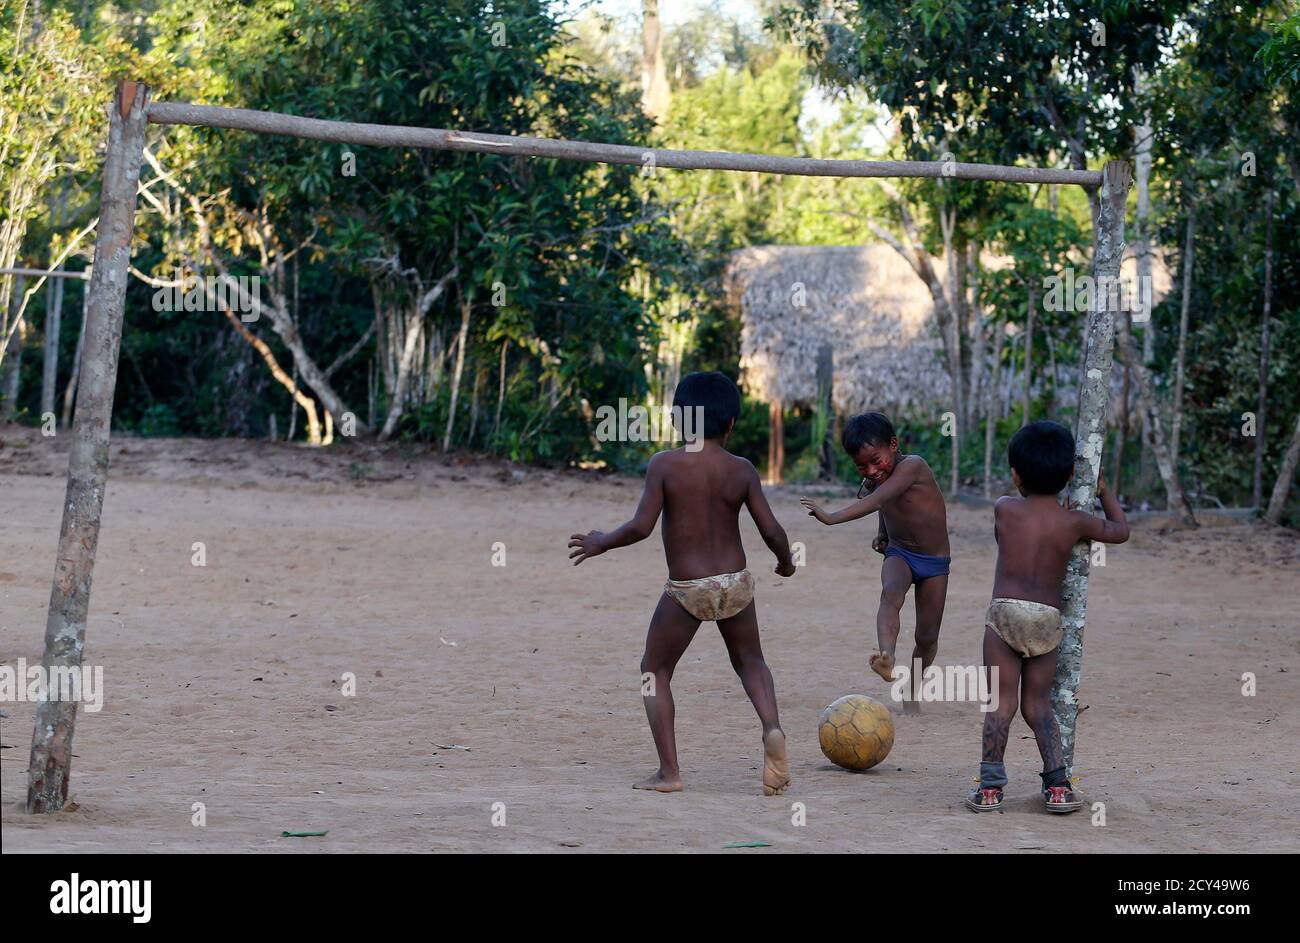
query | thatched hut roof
[870, 306]
[863, 300]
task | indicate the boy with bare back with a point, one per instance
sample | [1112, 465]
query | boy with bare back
[913, 537]
[1022, 631]
[700, 489]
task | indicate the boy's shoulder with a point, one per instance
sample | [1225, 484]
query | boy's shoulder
[1010, 507]
[668, 458]
[917, 465]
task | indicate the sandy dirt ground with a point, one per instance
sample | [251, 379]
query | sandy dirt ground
[486, 691]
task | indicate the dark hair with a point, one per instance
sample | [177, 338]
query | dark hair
[1043, 455]
[865, 429]
[715, 393]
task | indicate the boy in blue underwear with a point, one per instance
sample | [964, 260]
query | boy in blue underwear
[913, 537]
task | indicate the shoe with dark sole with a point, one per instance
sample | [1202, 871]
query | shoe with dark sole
[1061, 799]
[988, 799]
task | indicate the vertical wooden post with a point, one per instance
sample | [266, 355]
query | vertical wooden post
[1090, 435]
[65, 628]
[825, 387]
[775, 442]
[50, 366]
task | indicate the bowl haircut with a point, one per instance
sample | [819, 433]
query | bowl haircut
[710, 394]
[1042, 453]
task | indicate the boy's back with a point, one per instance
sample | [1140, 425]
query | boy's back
[1035, 536]
[698, 490]
[1022, 628]
[703, 492]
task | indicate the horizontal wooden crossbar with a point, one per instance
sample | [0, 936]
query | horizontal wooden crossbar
[46, 273]
[385, 135]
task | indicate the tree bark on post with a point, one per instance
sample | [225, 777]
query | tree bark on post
[65, 629]
[1090, 435]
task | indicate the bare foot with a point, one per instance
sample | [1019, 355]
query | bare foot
[776, 770]
[883, 665]
[660, 783]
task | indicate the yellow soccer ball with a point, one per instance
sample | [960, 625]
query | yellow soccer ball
[856, 732]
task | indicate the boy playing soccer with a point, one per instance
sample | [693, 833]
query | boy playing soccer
[1022, 633]
[913, 536]
[700, 489]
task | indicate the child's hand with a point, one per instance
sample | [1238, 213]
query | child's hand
[814, 509]
[588, 545]
[880, 543]
[785, 569]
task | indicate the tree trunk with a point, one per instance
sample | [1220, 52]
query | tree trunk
[1175, 498]
[1094, 397]
[775, 443]
[11, 375]
[825, 384]
[991, 403]
[1027, 393]
[289, 383]
[655, 95]
[70, 391]
[397, 403]
[1143, 137]
[1257, 481]
[411, 346]
[473, 407]
[501, 394]
[1282, 487]
[1189, 256]
[277, 312]
[461, 341]
[65, 630]
[974, 391]
[1121, 429]
[53, 319]
[50, 371]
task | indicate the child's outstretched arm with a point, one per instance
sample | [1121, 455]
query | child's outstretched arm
[641, 526]
[1112, 530]
[768, 526]
[902, 479]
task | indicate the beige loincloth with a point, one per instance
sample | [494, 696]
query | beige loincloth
[1030, 628]
[713, 597]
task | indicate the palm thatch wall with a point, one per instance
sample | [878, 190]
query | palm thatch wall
[865, 301]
